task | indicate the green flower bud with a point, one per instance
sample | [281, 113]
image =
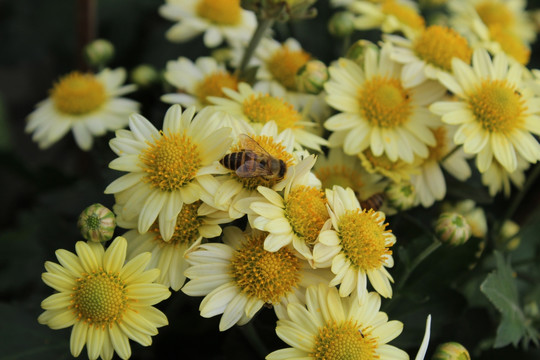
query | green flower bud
[97, 223]
[452, 228]
[508, 237]
[341, 24]
[311, 77]
[400, 196]
[99, 52]
[357, 51]
[451, 351]
[144, 75]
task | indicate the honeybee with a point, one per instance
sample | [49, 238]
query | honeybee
[374, 202]
[252, 161]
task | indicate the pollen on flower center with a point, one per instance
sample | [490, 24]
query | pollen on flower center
[222, 12]
[268, 276]
[265, 108]
[511, 44]
[284, 65]
[78, 94]
[187, 227]
[100, 298]
[440, 149]
[439, 44]
[170, 162]
[363, 239]
[384, 102]
[495, 14]
[213, 84]
[343, 340]
[404, 14]
[341, 175]
[305, 208]
[497, 106]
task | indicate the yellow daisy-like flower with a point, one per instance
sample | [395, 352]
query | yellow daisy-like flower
[330, 327]
[247, 106]
[196, 81]
[496, 111]
[88, 104]
[237, 277]
[378, 111]
[357, 248]
[106, 301]
[430, 184]
[295, 218]
[428, 53]
[217, 19]
[163, 166]
[397, 171]
[498, 179]
[389, 15]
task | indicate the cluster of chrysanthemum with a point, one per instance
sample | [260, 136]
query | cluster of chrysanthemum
[308, 238]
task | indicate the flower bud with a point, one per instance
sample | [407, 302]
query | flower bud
[508, 236]
[452, 228]
[99, 52]
[311, 77]
[475, 215]
[341, 24]
[144, 75]
[400, 196]
[97, 223]
[357, 51]
[451, 351]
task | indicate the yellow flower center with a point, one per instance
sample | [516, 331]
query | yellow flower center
[498, 106]
[439, 44]
[344, 340]
[284, 65]
[100, 298]
[265, 108]
[384, 102]
[221, 12]
[213, 84]
[187, 227]
[405, 14]
[495, 13]
[275, 150]
[341, 175]
[511, 44]
[439, 151]
[78, 94]
[305, 208]
[170, 162]
[363, 239]
[265, 275]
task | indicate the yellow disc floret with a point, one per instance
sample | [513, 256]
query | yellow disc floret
[213, 84]
[170, 162]
[440, 149]
[222, 12]
[437, 45]
[340, 175]
[285, 63]
[511, 44]
[363, 239]
[495, 13]
[404, 14]
[343, 340]
[78, 94]
[264, 108]
[497, 106]
[187, 227]
[268, 276]
[305, 208]
[100, 298]
[384, 102]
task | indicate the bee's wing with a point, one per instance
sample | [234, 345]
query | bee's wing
[248, 143]
[252, 168]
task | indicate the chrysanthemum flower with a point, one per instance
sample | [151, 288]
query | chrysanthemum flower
[194, 222]
[397, 171]
[195, 81]
[388, 15]
[331, 327]
[163, 166]
[87, 104]
[256, 109]
[237, 277]
[430, 184]
[498, 179]
[106, 301]
[378, 111]
[358, 246]
[428, 53]
[217, 19]
[496, 111]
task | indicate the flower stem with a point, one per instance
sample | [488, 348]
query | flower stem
[253, 338]
[263, 25]
[86, 31]
[419, 258]
[517, 200]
